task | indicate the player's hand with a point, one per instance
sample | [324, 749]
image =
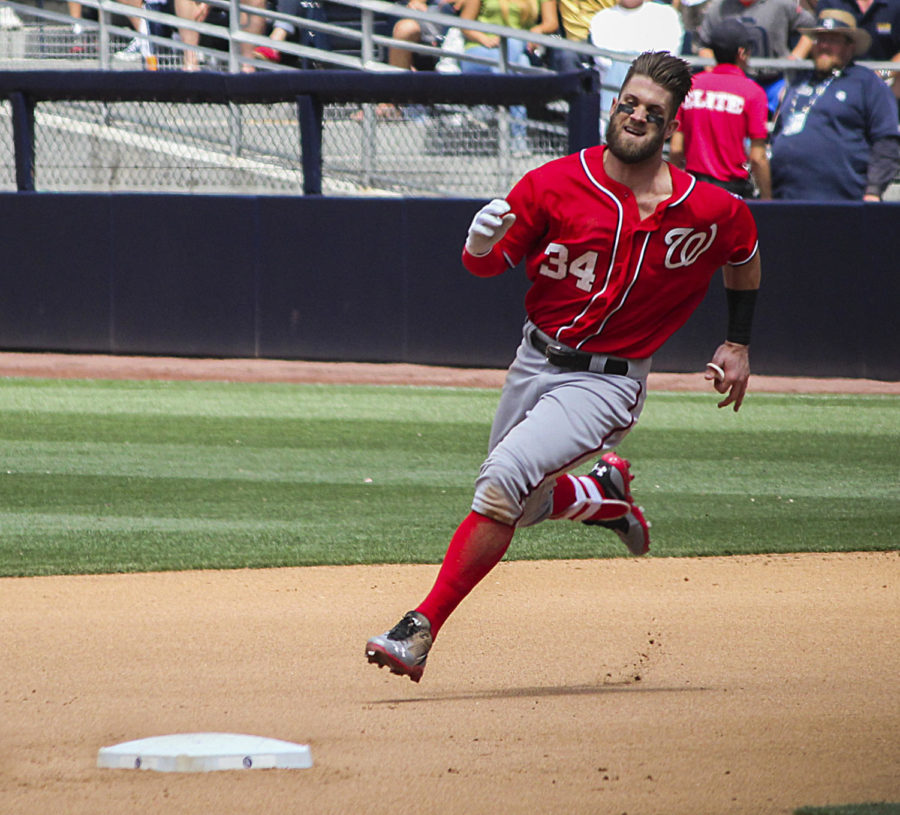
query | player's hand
[729, 371]
[489, 225]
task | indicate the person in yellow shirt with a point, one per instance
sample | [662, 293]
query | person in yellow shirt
[577, 15]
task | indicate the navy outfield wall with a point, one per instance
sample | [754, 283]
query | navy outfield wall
[381, 281]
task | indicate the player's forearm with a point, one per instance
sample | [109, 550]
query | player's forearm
[741, 304]
[746, 276]
[489, 265]
[741, 286]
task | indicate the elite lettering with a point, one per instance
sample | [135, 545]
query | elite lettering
[715, 100]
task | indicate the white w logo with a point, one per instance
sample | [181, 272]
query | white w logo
[686, 245]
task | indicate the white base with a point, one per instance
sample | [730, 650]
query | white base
[205, 752]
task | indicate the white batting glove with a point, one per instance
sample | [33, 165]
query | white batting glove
[489, 225]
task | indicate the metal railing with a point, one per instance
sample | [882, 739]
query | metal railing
[372, 45]
[285, 133]
[430, 149]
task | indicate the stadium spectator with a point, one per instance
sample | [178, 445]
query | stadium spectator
[724, 110]
[881, 19]
[691, 12]
[9, 20]
[574, 25]
[562, 60]
[163, 7]
[75, 12]
[836, 135]
[631, 27]
[524, 15]
[204, 12]
[576, 16]
[421, 32]
[775, 25]
[137, 48]
[147, 48]
[284, 30]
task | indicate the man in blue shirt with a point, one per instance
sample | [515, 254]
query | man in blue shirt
[881, 18]
[836, 136]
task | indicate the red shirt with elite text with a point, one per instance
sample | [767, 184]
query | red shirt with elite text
[723, 108]
[602, 279]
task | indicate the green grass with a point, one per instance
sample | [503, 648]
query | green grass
[123, 476]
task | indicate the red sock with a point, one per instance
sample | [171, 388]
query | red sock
[563, 496]
[475, 548]
[581, 498]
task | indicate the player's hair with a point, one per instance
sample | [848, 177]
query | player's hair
[667, 71]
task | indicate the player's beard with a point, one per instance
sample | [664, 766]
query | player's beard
[629, 152]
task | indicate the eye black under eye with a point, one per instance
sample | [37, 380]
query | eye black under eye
[654, 118]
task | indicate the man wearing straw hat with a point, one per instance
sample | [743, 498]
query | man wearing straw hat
[881, 18]
[835, 136]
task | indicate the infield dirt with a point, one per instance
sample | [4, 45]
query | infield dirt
[644, 686]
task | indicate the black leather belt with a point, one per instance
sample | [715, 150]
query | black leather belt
[739, 186]
[572, 360]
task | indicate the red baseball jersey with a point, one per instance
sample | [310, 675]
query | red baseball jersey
[723, 109]
[602, 279]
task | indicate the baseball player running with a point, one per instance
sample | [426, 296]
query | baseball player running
[620, 248]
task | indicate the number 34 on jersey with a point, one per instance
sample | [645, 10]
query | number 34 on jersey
[684, 244]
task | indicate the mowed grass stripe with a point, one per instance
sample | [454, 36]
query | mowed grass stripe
[797, 474]
[239, 400]
[115, 476]
[263, 433]
[239, 463]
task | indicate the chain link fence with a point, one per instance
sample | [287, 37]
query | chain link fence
[440, 150]
[367, 149]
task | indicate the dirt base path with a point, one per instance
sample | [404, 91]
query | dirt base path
[667, 687]
[91, 366]
[652, 687]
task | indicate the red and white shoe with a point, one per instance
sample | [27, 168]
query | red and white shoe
[404, 648]
[613, 475]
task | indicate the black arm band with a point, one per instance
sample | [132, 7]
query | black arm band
[741, 303]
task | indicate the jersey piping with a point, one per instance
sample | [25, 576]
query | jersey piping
[612, 255]
[612, 259]
[749, 257]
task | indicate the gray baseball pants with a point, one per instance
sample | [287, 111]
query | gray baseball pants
[549, 421]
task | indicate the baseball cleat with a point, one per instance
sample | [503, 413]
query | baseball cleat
[404, 648]
[613, 475]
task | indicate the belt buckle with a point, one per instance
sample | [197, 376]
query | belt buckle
[559, 356]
